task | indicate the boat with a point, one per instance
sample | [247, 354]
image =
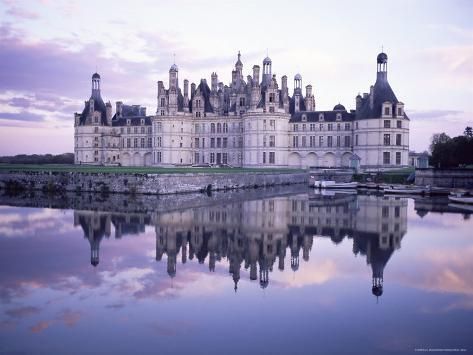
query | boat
[461, 199]
[404, 190]
[338, 185]
[462, 206]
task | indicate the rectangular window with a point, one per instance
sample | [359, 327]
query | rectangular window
[387, 139]
[128, 130]
[150, 142]
[159, 127]
[197, 128]
[296, 128]
[387, 123]
[347, 126]
[142, 130]
[386, 111]
[212, 158]
[272, 141]
[321, 141]
[225, 158]
[399, 111]
[399, 124]
[338, 126]
[219, 142]
[347, 141]
[264, 157]
[303, 141]
[321, 126]
[224, 142]
[158, 141]
[356, 139]
[212, 142]
[398, 139]
[196, 143]
[329, 141]
[271, 109]
[142, 142]
[330, 126]
[264, 141]
[135, 143]
[272, 157]
[135, 130]
[312, 127]
[386, 158]
[196, 158]
[272, 124]
[398, 158]
[158, 157]
[295, 141]
[338, 141]
[128, 143]
[312, 141]
[163, 102]
[264, 124]
[304, 127]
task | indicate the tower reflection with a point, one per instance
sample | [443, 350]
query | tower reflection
[257, 234]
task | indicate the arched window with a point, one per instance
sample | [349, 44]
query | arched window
[212, 128]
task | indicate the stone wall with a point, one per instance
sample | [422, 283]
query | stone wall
[453, 178]
[154, 184]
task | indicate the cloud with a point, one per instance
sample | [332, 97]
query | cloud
[21, 13]
[22, 311]
[21, 116]
[40, 326]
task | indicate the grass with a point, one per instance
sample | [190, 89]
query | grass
[135, 170]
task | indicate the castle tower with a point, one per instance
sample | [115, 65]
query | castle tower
[96, 86]
[297, 92]
[173, 89]
[309, 99]
[267, 76]
[382, 66]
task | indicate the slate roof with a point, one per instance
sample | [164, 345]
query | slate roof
[99, 105]
[382, 92]
[205, 92]
[135, 121]
[292, 101]
[329, 116]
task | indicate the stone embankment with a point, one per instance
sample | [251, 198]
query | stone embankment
[453, 178]
[152, 184]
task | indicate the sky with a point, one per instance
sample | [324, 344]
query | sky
[50, 49]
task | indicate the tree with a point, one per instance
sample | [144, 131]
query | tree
[468, 132]
[438, 138]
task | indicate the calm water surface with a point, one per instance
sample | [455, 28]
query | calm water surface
[283, 271]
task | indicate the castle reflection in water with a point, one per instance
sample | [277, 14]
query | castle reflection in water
[259, 234]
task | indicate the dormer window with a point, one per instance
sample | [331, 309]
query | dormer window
[242, 101]
[321, 117]
[387, 111]
[96, 119]
[142, 121]
[128, 122]
[339, 116]
[163, 102]
[399, 111]
[271, 97]
[304, 118]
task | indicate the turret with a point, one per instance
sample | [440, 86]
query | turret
[214, 81]
[382, 66]
[118, 108]
[267, 71]
[309, 99]
[358, 102]
[96, 86]
[256, 75]
[173, 89]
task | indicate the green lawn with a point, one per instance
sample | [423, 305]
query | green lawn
[135, 170]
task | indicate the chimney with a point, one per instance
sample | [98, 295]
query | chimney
[186, 88]
[256, 75]
[358, 102]
[118, 106]
[192, 89]
[308, 91]
[371, 96]
[214, 81]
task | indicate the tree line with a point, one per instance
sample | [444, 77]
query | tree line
[447, 152]
[65, 158]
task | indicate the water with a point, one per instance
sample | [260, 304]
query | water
[279, 271]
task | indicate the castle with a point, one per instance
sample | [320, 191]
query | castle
[248, 123]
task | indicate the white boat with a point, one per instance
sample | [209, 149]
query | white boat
[461, 199]
[404, 190]
[338, 185]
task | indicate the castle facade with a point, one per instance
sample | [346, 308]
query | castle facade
[251, 122]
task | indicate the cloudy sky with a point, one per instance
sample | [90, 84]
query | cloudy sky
[49, 50]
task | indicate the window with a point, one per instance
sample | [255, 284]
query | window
[225, 128]
[399, 124]
[197, 114]
[128, 143]
[312, 141]
[398, 158]
[219, 142]
[264, 157]
[347, 126]
[212, 128]
[142, 130]
[142, 122]
[356, 125]
[398, 139]
[347, 141]
[272, 141]
[386, 158]
[149, 130]
[338, 141]
[272, 157]
[128, 130]
[312, 127]
[162, 114]
[196, 158]
[242, 101]
[304, 127]
[338, 126]
[135, 130]
[271, 97]
[397, 212]
[303, 141]
[296, 128]
[330, 126]
[295, 141]
[135, 143]
[197, 104]
[321, 117]
[321, 126]
[264, 141]
[321, 141]
[329, 141]
[219, 128]
[212, 142]
[196, 143]
[225, 158]
[272, 125]
[224, 142]
[385, 211]
[387, 111]
[399, 111]
[150, 142]
[158, 141]
[212, 158]
[142, 142]
[339, 116]
[159, 127]
[163, 102]
[387, 124]
[96, 130]
[387, 139]
[96, 119]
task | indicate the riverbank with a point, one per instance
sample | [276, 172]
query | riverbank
[155, 181]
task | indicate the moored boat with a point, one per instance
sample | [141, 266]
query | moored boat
[338, 185]
[405, 190]
[461, 199]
